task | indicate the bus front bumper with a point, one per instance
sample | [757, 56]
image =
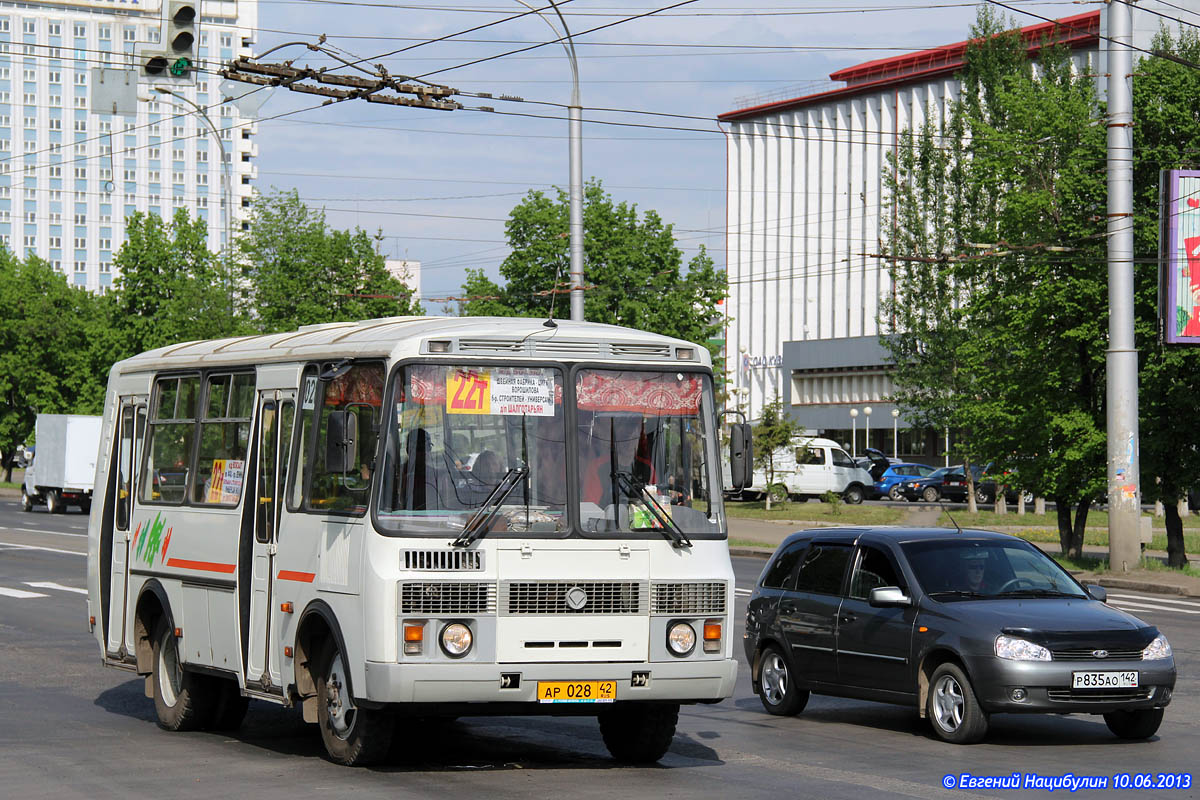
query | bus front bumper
[680, 681]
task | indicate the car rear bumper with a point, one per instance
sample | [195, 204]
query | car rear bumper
[1047, 685]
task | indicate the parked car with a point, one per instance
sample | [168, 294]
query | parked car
[954, 485]
[928, 488]
[961, 625]
[888, 483]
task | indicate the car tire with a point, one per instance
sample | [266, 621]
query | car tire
[776, 687]
[930, 494]
[1140, 724]
[778, 492]
[353, 737]
[983, 496]
[853, 495]
[26, 500]
[183, 700]
[894, 493]
[952, 708]
[54, 502]
[639, 733]
[85, 506]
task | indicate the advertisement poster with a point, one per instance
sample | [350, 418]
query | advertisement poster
[1180, 306]
[225, 482]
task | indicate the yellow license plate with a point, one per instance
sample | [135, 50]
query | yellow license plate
[576, 691]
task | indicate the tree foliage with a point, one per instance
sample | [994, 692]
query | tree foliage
[772, 433]
[632, 268]
[298, 271]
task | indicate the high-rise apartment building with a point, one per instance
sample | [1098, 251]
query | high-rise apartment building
[69, 177]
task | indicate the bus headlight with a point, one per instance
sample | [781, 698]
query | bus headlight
[456, 640]
[681, 638]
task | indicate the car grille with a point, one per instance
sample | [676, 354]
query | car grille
[1098, 695]
[1086, 655]
[551, 597]
[437, 598]
[688, 599]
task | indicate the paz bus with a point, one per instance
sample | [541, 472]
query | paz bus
[416, 517]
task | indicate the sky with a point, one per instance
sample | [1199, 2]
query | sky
[438, 186]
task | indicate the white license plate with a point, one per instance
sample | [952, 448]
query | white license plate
[1104, 680]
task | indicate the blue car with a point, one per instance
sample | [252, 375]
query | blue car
[889, 483]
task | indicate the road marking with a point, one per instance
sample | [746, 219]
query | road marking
[20, 594]
[1147, 607]
[53, 585]
[1156, 599]
[15, 546]
[51, 533]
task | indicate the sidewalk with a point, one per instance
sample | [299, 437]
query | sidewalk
[772, 533]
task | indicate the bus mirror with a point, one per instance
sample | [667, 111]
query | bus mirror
[341, 442]
[741, 456]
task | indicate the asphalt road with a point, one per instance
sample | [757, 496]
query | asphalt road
[75, 729]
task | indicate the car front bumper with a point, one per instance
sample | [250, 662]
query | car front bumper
[1047, 685]
[683, 681]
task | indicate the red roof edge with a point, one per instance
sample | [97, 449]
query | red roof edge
[1075, 31]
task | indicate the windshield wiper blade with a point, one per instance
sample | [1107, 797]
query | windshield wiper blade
[477, 525]
[1037, 593]
[959, 593]
[668, 527]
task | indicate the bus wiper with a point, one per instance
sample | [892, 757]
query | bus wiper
[668, 527]
[477, 525]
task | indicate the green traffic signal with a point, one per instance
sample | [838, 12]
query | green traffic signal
[180, 66]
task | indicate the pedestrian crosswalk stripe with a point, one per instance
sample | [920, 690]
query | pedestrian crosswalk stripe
[1148, 607]
[20, 594]
[56, 586]
[1156, 599]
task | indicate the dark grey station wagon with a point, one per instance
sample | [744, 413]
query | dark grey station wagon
[960, 625]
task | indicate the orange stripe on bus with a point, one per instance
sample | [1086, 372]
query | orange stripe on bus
[203, 566]
[302, 577]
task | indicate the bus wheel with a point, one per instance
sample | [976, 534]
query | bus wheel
[183, 700]
[231, 706]
[352, 736]
[639, 733]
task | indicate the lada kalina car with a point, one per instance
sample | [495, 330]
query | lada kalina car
[960, 625]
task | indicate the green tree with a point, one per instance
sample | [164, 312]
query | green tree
[170, 287]
[772, 433]
[632, 269]
[1017, 277]
[45, 353]
[298, 271]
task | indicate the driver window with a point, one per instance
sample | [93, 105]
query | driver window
[874, 569]
[840, 459]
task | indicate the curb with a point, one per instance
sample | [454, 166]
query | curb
[752, 552]
[1145, 586]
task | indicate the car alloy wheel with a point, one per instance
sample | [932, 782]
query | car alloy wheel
[776, 688]
[948, 703]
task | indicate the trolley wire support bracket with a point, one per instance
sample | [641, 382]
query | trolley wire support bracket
[377, 88]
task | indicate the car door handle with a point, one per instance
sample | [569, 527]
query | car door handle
[847, 618]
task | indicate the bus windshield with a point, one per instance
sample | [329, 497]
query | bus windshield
[457, 432]
[645, 452]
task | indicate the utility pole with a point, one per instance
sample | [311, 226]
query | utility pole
[1124, 479]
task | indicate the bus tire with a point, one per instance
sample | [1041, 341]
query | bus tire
[231, 706]
[638, 733]
[353, 737]
[183, 700]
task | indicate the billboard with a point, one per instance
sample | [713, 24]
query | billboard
[1179, 244]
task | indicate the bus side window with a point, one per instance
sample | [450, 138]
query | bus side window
[172, 430]
[124, 468]
[224, 439]
[357, 393]
[309, 394]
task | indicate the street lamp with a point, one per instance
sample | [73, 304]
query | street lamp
[895, 434]
[575, 131]
[854, 433]
[226, 183]
[867, 421]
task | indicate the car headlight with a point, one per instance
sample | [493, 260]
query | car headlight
[1015, 649]
[1159, 648]
[681, 638]
[456, 639]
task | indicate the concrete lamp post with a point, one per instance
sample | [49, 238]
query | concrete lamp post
[895, 433]
[854, 433]
[867, 425]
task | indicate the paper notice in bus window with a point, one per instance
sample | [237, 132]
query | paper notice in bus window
[225, 482]
[523, 391]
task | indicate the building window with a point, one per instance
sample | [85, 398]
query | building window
[56, 124]
[4, 25]
[81, 102]
[55, 29]
[29, 26]
[105, 31]
[55, 242]
[30, 99]
[129, 34]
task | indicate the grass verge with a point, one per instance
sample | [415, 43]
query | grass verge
[1047, 530]
[816, 512]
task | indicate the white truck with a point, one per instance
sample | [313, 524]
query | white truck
[64, 463]
[812, 466]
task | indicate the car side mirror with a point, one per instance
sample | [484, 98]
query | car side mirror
[341, 441]
[886, 596]
[1098, 592]
[741, 456]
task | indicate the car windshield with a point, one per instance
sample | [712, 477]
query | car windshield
[456, 433]
[644, 450]
[965, 568]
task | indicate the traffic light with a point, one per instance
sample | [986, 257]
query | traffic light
[175, 59]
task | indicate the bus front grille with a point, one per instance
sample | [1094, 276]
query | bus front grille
[443, 560]
[443, 598]
[688, 598]
[572, 597]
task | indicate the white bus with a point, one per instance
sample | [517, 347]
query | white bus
[417, 517]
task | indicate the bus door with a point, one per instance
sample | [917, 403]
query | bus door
[130, 433]
[276, 414]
